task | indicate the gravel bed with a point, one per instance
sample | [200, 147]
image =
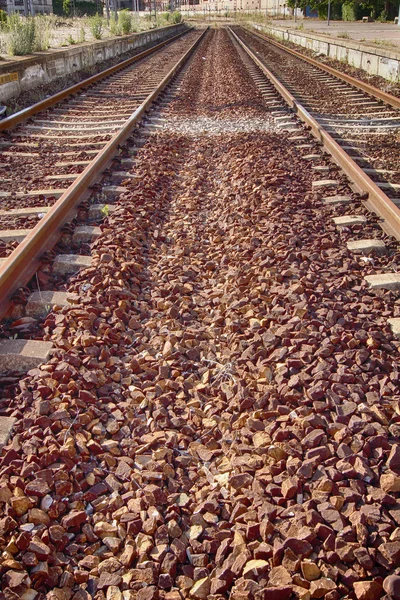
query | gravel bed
[298, 76]
[48, 150]
[375, 80]
[220, 417]
[29, 97]
[301, 77]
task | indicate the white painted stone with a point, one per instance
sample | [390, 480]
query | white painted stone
[85, 233]
[70, 263]
[367, 246]
[349, 220]
[39, 303]
[395, 325]
[324, 183]
[22, 355]
[387, 281]
[337, 199]
[6, 425]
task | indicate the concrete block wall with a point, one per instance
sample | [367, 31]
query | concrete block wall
[375, 61]
[25, 73]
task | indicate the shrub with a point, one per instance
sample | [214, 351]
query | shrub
[384, 16]
[176, 17]
[66, 7]
[125, 22]
[82, 35]
[115, 28]
[351, 11]
[165, 16]
[43, 32]
[96, 26]
[3, 17]
[81, 7]
[21, 38]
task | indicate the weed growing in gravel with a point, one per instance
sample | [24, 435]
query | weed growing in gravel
[344, 36]
[384, 43]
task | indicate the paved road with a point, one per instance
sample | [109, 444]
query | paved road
[385, 35]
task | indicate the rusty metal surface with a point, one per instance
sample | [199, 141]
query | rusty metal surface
[21, 265]
[365, 87]
[22, 115]
[377, 199]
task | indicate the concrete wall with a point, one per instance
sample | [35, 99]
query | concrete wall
[26, 73]
[375, 61]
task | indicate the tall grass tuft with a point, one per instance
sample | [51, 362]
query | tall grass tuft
[176, 17]
[115, 28]
[43, 32]
[96, 24]
[125, 22]
[21, 35]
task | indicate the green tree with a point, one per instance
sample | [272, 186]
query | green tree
[350, 11]
[66, 7]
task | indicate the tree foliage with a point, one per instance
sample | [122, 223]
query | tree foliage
[356, 9]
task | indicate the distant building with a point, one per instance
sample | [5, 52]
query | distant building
[271, 8]
[27, 7]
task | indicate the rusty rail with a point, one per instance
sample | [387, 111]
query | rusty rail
[24, 114]
[377, 199]
[21, 265]
[365, 87]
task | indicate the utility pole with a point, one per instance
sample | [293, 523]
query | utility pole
[329, 12]
[295, 11]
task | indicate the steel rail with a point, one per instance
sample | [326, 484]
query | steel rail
[377, 199]
[365, 87]
[25, 113]
[21, 265]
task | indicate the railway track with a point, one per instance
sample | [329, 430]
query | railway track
[350, 118]
[219, 414]
[49, 162]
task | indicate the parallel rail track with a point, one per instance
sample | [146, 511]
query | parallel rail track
[78, 129]
[343, 136]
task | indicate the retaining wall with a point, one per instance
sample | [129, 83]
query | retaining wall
[28, 72]
[375, 61]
